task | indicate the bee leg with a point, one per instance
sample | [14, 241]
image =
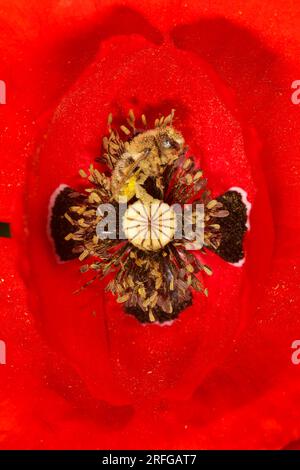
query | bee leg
[233, 227]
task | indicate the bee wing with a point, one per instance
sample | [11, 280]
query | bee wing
[126, 167]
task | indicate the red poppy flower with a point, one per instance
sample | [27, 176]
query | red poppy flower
[80, 373]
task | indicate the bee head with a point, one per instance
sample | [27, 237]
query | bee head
[170, 140]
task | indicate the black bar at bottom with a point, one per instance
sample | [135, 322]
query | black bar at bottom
[135, 458]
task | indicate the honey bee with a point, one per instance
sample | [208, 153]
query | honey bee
[146, 155]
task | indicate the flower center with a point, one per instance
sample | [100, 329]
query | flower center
[154, 269]
[149, 226]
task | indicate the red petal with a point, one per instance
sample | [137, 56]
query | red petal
[249, 410]
[107, 349]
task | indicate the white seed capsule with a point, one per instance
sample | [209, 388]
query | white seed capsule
[149, 226]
